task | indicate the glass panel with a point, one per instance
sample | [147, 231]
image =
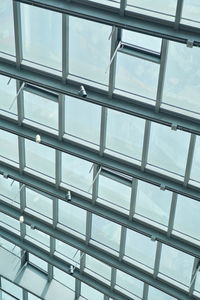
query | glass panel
[176, 264]
[7, 94]
[81, 117]
[64, 278]
[9, 190]
[190, 13]
[114, 193]
[155, 8]
[67, 252]
[75, 172]
[125, 134]
[157, 294]
[195, 171]
[11, 288]
[9, 146]
[40, 158]
[106, 232]
[97, 267]
[38, 45]
[187, 209]
[136, 76]
[89, 57]
[168, 149]
[7, 39]
[72, 217]
[140, 248]
[90, 293]
[181, 88]
[9, 223]
[153, 203]
[37, 262]
[129, 283]
[142, 40]
[40, 110]
[39, 203]
[41, 239]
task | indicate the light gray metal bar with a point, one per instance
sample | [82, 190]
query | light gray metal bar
[96, 96]
[145, 147]
[106, 161]
[122, 7]
[161, 78]
[133, 198]
[88, 227]
[113, 278]
[194, 276]
[104, 114]
[61, 116]
[172, 214]
[157, 259]
[18, 32]
[94, 12]
[179, 9]
[95, 185]
[20, 103]
[99, 210]
[65, 47]
[139, 53]
[122, 243]
[145, 292]
[189, 159]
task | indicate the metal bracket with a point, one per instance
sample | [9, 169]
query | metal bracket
[5, 175]
[162, 187]
[153, 238]
[190, 43]
[174, 126]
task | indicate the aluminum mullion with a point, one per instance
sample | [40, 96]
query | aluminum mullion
[18, 32]
[77, 289]
[145, 292]
[119, 102]
[172, 214]
[123, 4]
[133, 198]
[95, 252]
[145, 55]
[95, 185]
[61, 116]
[189, 159]
[20, 103]
[113, 278]
[102, 211]
[25, 294]
[88, 227]
[163, 62]
[65, 47]
[179, 9]
[194, 270]
[122, 243]
[135, 22]
[157, 259]
[103, 129]
[145, 147]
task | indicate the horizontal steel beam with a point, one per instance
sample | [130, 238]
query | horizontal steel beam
[96, 96]
[93, 156]
[61, 264]
[112, 17]
[91, 250]
[100, 210]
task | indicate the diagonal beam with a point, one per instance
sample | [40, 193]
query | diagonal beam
[98, 209]
[100, 255]
[120, 103]
[130, 21]
[106, 160]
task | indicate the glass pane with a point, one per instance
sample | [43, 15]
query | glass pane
[75, 172]
[190, 13]
[129, 283]
[187, 209]
[176, 264]
[168, 149]
[140, 248]
[81, 117]
[153, 203]
[157, 294]
[9, 189]
[40, 158]
[41, 238]
[39, 203]
[7, 39]
[181, 88]
[72, 217]
[7, 94]
[114, 193]
[106, 232]
[136, 76]
[195, 171]
[98, 267]
[39, 46]
[89, 57]
[125, 134]
[37, 262]
[142, 40]
[90, 293]
[40, 110]
[11, 288]
[9, 146]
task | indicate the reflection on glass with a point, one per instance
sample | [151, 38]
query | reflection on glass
[168, 149]
[125, 134]
[7, 94]
[136, 76]
[82, 119]
[39, 203]
[153, 203]
[190, 13]
[41, 36]
[195, 171]
[128, 283]
[157, 294]
[89, 49]
[9, 146]
[7, 39]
